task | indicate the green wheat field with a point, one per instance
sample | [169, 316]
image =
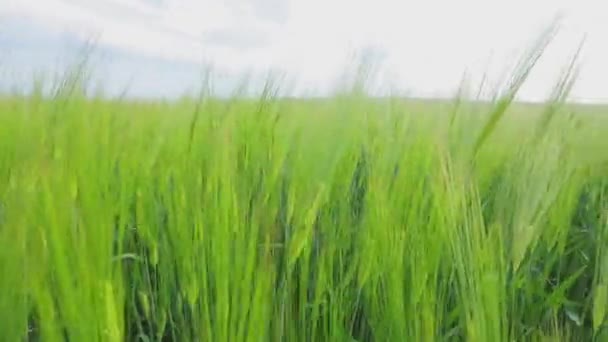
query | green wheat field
[341, 219]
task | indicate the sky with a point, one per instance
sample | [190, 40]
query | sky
[159, 48]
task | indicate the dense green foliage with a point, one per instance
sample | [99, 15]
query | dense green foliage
[274, 220]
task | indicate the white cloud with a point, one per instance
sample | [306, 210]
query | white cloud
[428, 44]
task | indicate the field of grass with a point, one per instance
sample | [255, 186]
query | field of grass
[345, 219]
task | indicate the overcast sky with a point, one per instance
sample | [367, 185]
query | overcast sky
[422, 47]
